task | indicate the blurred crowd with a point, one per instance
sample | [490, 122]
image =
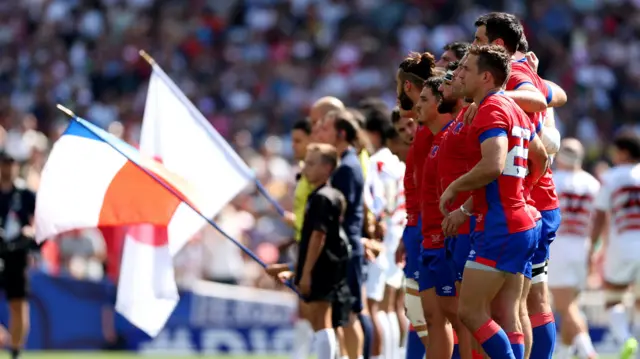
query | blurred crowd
[253, 67]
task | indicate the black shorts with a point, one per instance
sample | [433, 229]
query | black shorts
[14, 278]
[327, 282]
[341, 307]
[356, 278]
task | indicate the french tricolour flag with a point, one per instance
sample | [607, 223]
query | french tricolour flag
[93, 179]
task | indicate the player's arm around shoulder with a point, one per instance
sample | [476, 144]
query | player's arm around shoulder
[557, 97]
[528, 97]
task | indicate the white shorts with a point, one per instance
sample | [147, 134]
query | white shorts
[377, 276]
[568, 263]
[396, 277]
[622, 261]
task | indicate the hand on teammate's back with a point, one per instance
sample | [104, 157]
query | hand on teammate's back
[470, 114]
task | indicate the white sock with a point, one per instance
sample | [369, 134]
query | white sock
[326, 344]
[584, 346]
[302, 337]
[563, 351]
[345, 357]
[382, 318]
[619, 323]
[394, 325]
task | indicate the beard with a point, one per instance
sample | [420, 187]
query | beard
[447, 105]
[406, 103]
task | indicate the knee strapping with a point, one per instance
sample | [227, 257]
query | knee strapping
[539, 272]
[413, 305]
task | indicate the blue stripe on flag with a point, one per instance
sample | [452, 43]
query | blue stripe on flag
[85, 129]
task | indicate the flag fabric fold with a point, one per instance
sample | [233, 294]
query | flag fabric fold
[179, 136]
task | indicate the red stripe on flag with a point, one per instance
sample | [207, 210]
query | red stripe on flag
[134, 197]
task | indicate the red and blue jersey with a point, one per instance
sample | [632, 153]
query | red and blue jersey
[500, 206]
[543, 193]
[421, 144]
[432, 218]
[454, 162]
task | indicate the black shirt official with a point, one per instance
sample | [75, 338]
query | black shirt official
[323, 213]
[17, 207]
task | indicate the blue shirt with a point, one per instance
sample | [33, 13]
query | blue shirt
[349, 180]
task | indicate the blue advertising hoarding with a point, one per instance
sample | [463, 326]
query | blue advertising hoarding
[68, 314]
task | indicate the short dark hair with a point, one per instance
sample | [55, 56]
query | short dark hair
[453, 65]
[417, 67]
[500, 25]
[303, 125]
[458, 48]
[395, 115]
[495, 60]
[358, 116]
[344, 121]
[392, 135]
[523, 45]
[372, 103]
[628, 142]
[433, 83]
[378, 121]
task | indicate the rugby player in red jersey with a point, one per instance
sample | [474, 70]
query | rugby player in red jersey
[412, 73]
[504, 239]
[505, 30]
[436, 279]
[453, 162]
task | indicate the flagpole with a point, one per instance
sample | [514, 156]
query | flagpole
[253, 256]
[259, 186]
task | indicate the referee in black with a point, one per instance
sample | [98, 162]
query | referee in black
[17, 206]
[323, 252]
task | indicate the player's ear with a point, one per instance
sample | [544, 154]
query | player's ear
[498, 42]
[406, 86]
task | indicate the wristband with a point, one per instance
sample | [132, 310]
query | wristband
[464, 210]
[292, 267]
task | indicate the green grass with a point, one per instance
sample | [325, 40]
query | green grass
[124, 355]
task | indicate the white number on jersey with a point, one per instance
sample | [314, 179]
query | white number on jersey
[516, 165]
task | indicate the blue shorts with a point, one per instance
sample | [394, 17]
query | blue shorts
[511, 253]
[550, 223]
[412, 239]
[458, 249]
[435, 271]
[355, 280]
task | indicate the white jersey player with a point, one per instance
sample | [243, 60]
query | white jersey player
[383, 183]
[619, 197]
[576, 190]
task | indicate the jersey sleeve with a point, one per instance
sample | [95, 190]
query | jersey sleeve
[603, 198]
[490, 121]
[518, 78]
